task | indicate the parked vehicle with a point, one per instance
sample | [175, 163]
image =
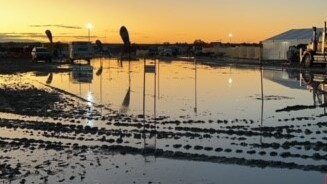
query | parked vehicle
[41, 54]
[293, 53]
[81, 51]
[316, 51]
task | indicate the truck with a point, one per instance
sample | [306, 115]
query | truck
[80, 50]
[293, 53]
[316, 51]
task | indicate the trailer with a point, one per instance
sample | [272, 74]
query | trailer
[81, 51]
[316, 51]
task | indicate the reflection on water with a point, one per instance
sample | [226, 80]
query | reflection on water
[81, 74]
[188, 90]
[316, 83]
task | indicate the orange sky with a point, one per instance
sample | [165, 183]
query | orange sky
[157, 21]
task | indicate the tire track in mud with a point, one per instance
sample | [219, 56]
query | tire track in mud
[9, 171]
[53, 129]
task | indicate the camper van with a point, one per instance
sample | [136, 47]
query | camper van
[80, 51]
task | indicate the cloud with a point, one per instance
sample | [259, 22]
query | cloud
[16, 40]
[41, 35]
[58, 26]
[21, 35]
[32, 37]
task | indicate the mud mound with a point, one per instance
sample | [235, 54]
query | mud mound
[26, 99]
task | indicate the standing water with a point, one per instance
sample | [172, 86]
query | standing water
[260, 125]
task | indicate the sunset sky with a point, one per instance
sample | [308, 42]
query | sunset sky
[157, 21]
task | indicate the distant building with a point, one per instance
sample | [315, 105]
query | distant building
[142, 52]
[275, 48]
[241, 51]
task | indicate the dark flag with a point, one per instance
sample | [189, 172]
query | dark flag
[99, 45]
[125, 36]
[49, 35]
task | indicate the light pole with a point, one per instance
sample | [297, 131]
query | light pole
[230, 35]
[89, 26]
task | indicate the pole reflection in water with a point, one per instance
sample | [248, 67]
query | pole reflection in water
[101, 80]
[100, 48]
[195, 88]
[155, 91]
[158, 70]
[150, 69]
[262, 95]
[144, 63]
[101, 86]
[127, 98]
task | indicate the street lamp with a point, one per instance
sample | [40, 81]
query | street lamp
[230, 35]
[89, 26]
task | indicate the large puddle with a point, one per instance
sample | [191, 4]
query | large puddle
[188, 90]
[211, 121]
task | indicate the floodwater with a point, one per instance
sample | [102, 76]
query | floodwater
[217, 104]
[191, 91]
[188, 91]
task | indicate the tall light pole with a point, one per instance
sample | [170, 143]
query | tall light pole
[89, 26]
[230, 35]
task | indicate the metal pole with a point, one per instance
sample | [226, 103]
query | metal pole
[158, 80]
[262, 99]
[262, 96]
[195, 87]
[101, 82]
[144, 88]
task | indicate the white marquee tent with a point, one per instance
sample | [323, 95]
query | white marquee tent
[276, 48]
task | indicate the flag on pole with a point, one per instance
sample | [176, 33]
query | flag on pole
[125, 36]
[49, 35]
